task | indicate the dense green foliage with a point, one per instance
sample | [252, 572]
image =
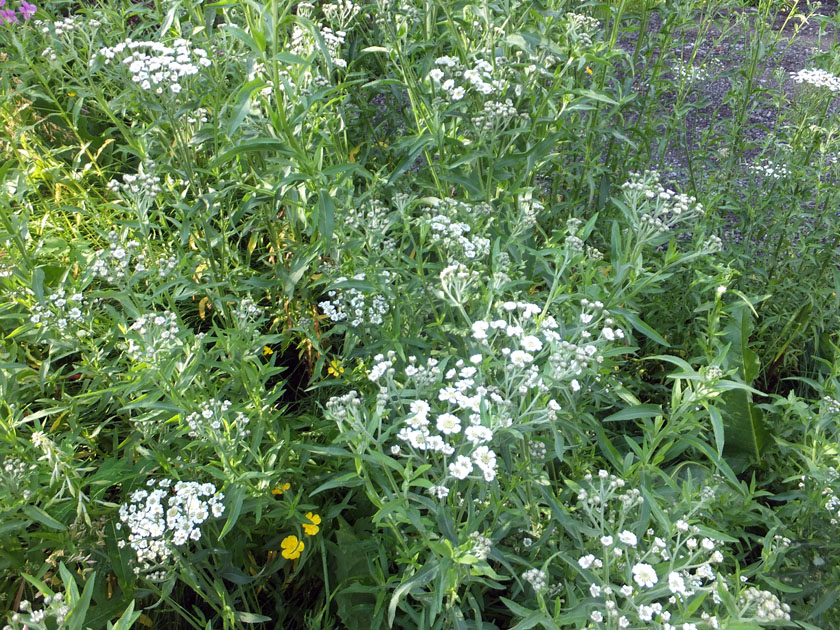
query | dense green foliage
[418, 314]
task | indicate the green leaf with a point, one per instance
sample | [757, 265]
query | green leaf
[243, 104]
[326, 217]
[37, 514]
[743, 421]
[637, 411]
[717, 428]
[127, 619]
[423, 577]
[637, 323]
[246, 617]
[235, 510]
[414, 149]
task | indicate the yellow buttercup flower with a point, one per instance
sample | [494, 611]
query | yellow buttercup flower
[281, 489]
[312, 528]
[335, 368]
[292, 547]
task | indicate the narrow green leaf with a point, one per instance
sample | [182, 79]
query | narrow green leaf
[235, 510]
[637, 323]
[637, 411]
[37, 514]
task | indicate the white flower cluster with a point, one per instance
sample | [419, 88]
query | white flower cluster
[832, 499]
[685, 562]
[370, 219]
[54, 606]
[766, 168]
[143, 184]
[340, 407]
[818, 78]
[456, 80]
[64, 26]
[197, 116]
[830, 405]
[168, 515]
[115, 263]
[497, 115]
[456, 417]
[766, 606]
[303, 43]
[451, 231]
[341, 11]
[568, 360]
[211, 421]
[481, 546]
[153, 65]
[153, 336]
[581, 28]
[124, 257]
[61, 313]
[353, 305]
[654, 209]
[536, 578]
[450, 234]
[15, 475]
[246, 310]
[713, 244]
[694, 74]
[575, 243]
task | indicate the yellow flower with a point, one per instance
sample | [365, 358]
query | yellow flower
[292, 547]
[335, 368]
[588, 70]
[312, 528]
[267, 351]
[281, 489]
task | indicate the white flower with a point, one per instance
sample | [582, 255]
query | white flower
[596, 616]
[436, 75]
[644, 575]
[575, 385]
[645, 613]
[676, 583]
[479, 330]
[448, 423]
[520, 358]
[457, 94]
[461, 467]
[682, 526]
[595, 590]
[606, 540]
[478, 434]
[439, 492]
[531, 343]
[485, 459]
[628, 538]
[587, 561]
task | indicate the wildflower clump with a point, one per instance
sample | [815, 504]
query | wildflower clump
[817, 78]
[353, 303]
[54, 609]
[155, 66]
[166, 516]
